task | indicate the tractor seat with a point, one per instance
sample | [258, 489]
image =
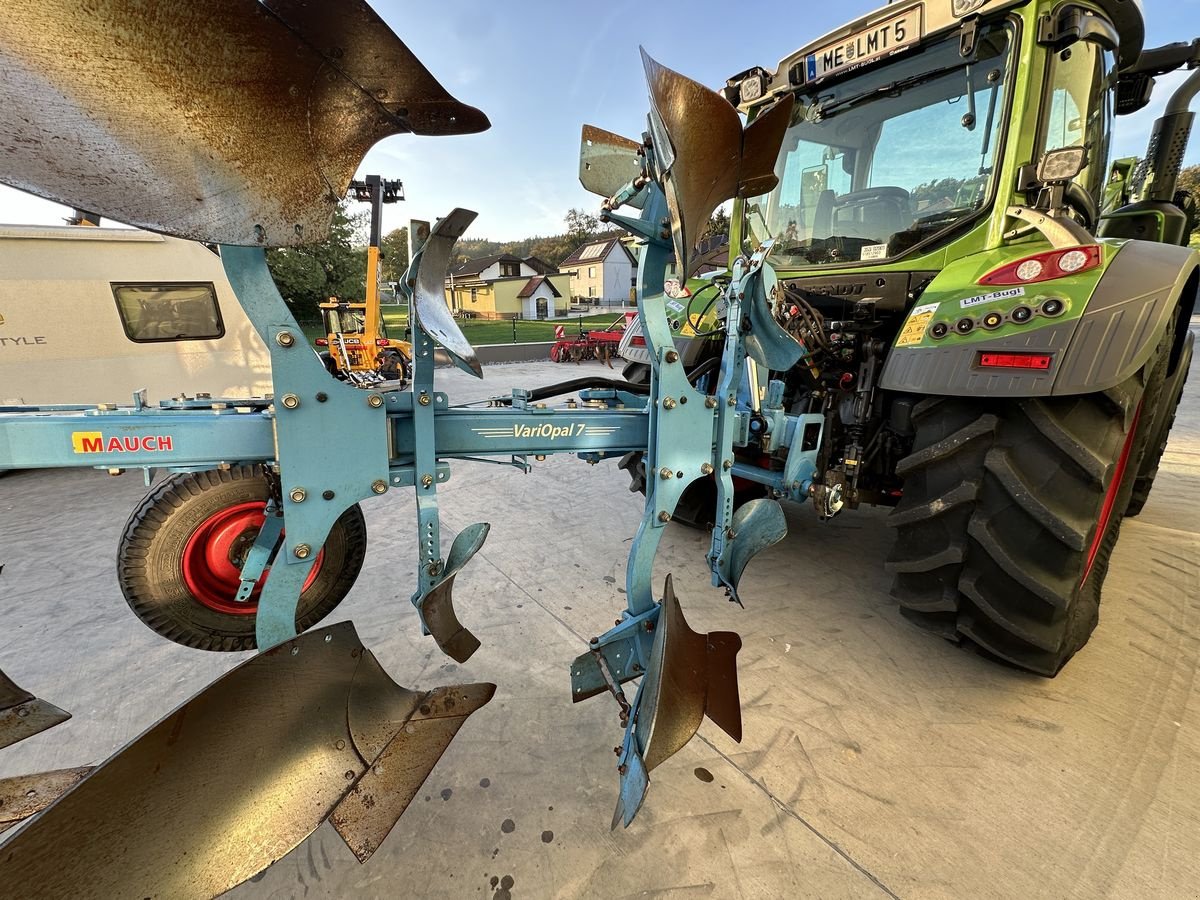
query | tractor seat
[873, 214]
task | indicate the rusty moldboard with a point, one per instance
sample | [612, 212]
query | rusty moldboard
[230, 121]
[225, 785]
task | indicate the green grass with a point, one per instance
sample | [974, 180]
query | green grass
[480, 331]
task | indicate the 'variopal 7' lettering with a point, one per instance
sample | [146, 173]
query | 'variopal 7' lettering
[547, 430]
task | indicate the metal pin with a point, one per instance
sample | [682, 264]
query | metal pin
[423, 399]
[379, 486]
[706, 469]
[375, 401]
[664, 516]
[302, 551]
[290, 401]
[668, 402]
[285, 339]
[426, 480]
[664, 473]
[298, 495]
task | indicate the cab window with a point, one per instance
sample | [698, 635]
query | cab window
[1077, 111]
[169, 312]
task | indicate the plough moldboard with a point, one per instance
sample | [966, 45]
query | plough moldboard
[333, 737]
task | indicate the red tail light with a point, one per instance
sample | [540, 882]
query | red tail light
[637, 341]
[322, 342]
[1014, 360]
[382, 342]
[1045, 266]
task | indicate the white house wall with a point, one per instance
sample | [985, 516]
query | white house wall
[618, 272]
[529, 304]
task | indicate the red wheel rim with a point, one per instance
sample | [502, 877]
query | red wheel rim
[213, 555]
[1110, 497]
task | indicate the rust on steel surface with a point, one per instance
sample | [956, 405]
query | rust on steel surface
[378, 799]
[23, 795]
[607, 162]
[231, 121]
[704, 155]
[695, 674]
[22, 714]
[225, 785]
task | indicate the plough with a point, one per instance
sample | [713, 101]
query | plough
[251, 119]
[996, 354]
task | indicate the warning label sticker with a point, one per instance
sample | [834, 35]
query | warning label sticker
[914, 328]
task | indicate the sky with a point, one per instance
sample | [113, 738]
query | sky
[540, 73]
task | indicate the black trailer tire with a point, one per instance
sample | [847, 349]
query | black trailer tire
[1010, 513]
[1165, 406]
[164, 531]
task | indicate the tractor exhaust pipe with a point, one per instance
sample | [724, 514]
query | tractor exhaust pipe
[1168, 142]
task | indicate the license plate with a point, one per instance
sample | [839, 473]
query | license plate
[880, 40]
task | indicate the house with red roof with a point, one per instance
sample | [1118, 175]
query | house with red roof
[505, 286]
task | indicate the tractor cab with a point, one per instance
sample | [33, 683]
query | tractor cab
[915, 130]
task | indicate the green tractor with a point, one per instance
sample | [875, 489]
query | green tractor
[994, 321]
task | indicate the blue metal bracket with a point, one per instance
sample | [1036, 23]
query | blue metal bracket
[316, 416]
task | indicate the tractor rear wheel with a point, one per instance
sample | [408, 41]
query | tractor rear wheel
[1010, 513]
[1165, 405]
[180, 556]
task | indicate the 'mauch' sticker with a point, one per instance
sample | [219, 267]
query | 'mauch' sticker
[988, 298]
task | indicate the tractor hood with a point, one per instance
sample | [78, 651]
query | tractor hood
[230, 121]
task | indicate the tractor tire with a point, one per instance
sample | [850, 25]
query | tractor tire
[1010, 512]
[179, 559]
[328, 362]
[636, 372]
[1165, 405]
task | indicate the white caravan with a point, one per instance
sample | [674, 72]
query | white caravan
[92, 315]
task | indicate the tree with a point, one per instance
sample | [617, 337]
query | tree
[393, 246]
[312, 273]
[581, 225]
[718, 223]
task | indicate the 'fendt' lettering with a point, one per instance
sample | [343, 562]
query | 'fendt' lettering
[96, 442]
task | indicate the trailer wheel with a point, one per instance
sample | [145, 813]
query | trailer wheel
[1010, 513]
[179, 559]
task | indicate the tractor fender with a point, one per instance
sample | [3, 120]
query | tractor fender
[1143, 288]
[1145, 285]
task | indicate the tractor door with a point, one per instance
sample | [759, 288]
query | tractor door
[1077, 112]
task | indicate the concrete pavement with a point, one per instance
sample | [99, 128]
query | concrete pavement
[876, 760]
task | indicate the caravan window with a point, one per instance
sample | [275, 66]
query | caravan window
[169, 312]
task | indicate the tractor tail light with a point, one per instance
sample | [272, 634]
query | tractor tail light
[1045, 266]
[322, 342]
[382, 342]
[1014, 360]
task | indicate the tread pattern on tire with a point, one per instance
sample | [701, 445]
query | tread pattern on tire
[140, 572]
[1000, 507]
